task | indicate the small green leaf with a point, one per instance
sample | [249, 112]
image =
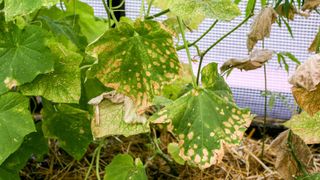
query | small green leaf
[15, 123]
[288, 26]
[173, 150]
[250, 7]
[23, 56]
[272, 100]
[63, 85]
[71, 126]
[306, 126]
[237, 1]
[123, 167]
[136, 61]
[14, 8]
[34, 144]
[293, 58]
[264, 3]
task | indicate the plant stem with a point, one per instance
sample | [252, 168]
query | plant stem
[149, 7]
[202, 36]
[265, 107]
[217, 42]
[98, 160]
[142, 9]
[110, 11]
[91, 164]
[187, 50]
[158, 14]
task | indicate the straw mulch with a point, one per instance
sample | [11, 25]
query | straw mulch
[241, 162]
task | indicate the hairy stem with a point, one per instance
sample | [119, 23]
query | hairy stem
[187, 50]
[217, 42]
[201, 37]
[158, 14]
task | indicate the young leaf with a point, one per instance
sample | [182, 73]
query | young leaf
[306, 126]
[34, 145]
[69, 125]
[15, 123]
[23, 56]
[288, 26]
[63, 85]
[14, 8]
[123, 167]
[204, 120]
[136, 61]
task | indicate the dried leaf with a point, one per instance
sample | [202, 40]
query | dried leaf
[310, 4]
[314, 45]
[306, 126]
[291, 11]
[307, 75]
[309, 101]
[285, 163]
[261, 27]
[256, 59]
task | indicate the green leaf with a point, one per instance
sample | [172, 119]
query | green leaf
[123, 167]
[23, 56]
[64, 84]
[14, 8]
[315, 176]
[264, 3]
[203, 120]
[90, 26]
[237, 1]
[193, 12]
[15, 123]
[34, 144]
[292, 57]
[306, 126]
[250, 7]
[111, 121]
[136, 61]
[288, 26]
[173, 150]
[71, 126]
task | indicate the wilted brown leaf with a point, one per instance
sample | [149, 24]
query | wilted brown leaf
[307, 75]
[261, 26]
[285, 163]
[310, 4]
[256, 59]
[290, 15]
[314, 44]
[309, 101]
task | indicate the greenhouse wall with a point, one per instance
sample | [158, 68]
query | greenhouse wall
[248, 86]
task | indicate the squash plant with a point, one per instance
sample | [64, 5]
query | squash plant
[100, 77]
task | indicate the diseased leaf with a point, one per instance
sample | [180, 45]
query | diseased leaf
[123, 167]
[115, 114]
[256, 60]
[287, 13]
[69, 125]
[136, 61]
[203, 121]
[261, 26]
[307, 75]
[15, 123]
[285, 163]
[23, 56]
[34, 145]
[14, 8]
[306, 126]
[309, 101]
[193, 12]
[315, 45]
[174, 150]
[63, 85]
[310, 5]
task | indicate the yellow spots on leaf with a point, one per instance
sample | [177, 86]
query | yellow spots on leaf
[197, 159]
[154, 46]
[227, 131]
[235, 117]
[139, 85]
[190, 135]
[146, 43]
[238, 112]
[10, 83]
[212, 134]
[231, 121]
[155, 63]
[161, 119]
[205, 152]
[168, 52]
[195, 146]
[195, 92]
[221, 112]
[181, 136]
[189, 124]
[227, 124]
[148, 73]
[181, 142]
[233, 110]
[156, 86]
[163, 60]
[190, 152]
[171, 64]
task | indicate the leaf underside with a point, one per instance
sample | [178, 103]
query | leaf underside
[136, 60]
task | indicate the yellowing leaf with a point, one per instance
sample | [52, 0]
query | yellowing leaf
[256, 59]
[314, 45]
[307, 75]
[310, 4]
[309, 101]
[283, 146]
[136, 60]
[306, 126]
[261, 26]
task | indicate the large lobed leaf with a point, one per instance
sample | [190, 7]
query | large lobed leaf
[23, 56]
[136, 60]
[63, 85]
[14, 8]
[193, 12]
[204, 120]
[69, 125]
[15, 123]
